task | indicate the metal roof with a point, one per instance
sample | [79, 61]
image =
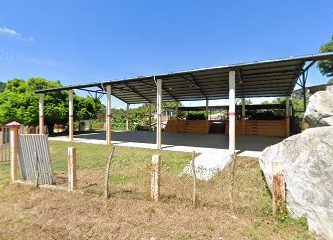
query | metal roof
[270, 78]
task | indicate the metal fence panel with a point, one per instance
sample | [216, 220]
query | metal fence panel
[30, 144]
[4, 144]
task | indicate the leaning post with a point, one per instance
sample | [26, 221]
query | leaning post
[14, 148]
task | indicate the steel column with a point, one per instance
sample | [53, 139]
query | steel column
[304, 90]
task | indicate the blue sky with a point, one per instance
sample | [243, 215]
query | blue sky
[87, 41]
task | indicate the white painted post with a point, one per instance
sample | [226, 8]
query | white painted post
[232, 120]
[149, 117]
[41, 113]
[243, 107]
[207, 120]
[287, 106]
[127, 117]
[108, 115]
[14, 127]
[159, 113]
[177, 113]
[71, 117]
[287, 117]
[243, 116]
[207, 104]
[72, 182]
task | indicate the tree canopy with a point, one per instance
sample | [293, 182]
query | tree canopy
[18, 102]
[326, 66]
[2, 86]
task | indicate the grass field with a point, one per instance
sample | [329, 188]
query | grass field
[28, 213]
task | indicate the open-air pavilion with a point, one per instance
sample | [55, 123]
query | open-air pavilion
[272, 78]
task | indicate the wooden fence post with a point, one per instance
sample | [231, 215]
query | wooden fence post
[155, 178]
[107, 175]
[279, 194]
[194, 193]
[72, 182]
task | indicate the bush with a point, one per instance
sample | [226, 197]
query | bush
[196, 116]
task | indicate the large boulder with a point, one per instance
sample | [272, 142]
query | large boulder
[319, 111]
[306, 159]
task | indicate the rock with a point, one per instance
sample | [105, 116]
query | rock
[208, 164]
[319, 111]
[306, 160]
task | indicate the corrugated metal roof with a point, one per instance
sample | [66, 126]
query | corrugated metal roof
[270, 78]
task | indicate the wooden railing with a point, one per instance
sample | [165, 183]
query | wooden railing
[187, 126]
[270, 128]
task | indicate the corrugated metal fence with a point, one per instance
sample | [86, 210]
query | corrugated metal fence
[4, 144]
[30, 146]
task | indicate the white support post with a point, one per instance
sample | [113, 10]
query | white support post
[127, 117]
[232, 119]
[207, 104]
[159, 113]
[108, 115]
[207, 115]
[150, 123]
[243, 107]
[41, 113]
[287, 117]
[287, 106]
[177, 111]
[243, 116]
[71, 117]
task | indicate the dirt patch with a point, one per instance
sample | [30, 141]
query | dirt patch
[28, 213]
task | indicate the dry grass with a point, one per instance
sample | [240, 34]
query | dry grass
[27, 213]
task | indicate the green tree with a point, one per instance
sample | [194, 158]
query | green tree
[326, 66]
[18, 102]
[2, 86]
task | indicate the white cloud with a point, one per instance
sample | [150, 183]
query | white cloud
[13, 33]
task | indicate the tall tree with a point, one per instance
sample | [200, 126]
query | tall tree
[2, 86]
[326, 66]
[18, 102]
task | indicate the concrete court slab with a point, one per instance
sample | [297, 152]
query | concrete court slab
[216, 144]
